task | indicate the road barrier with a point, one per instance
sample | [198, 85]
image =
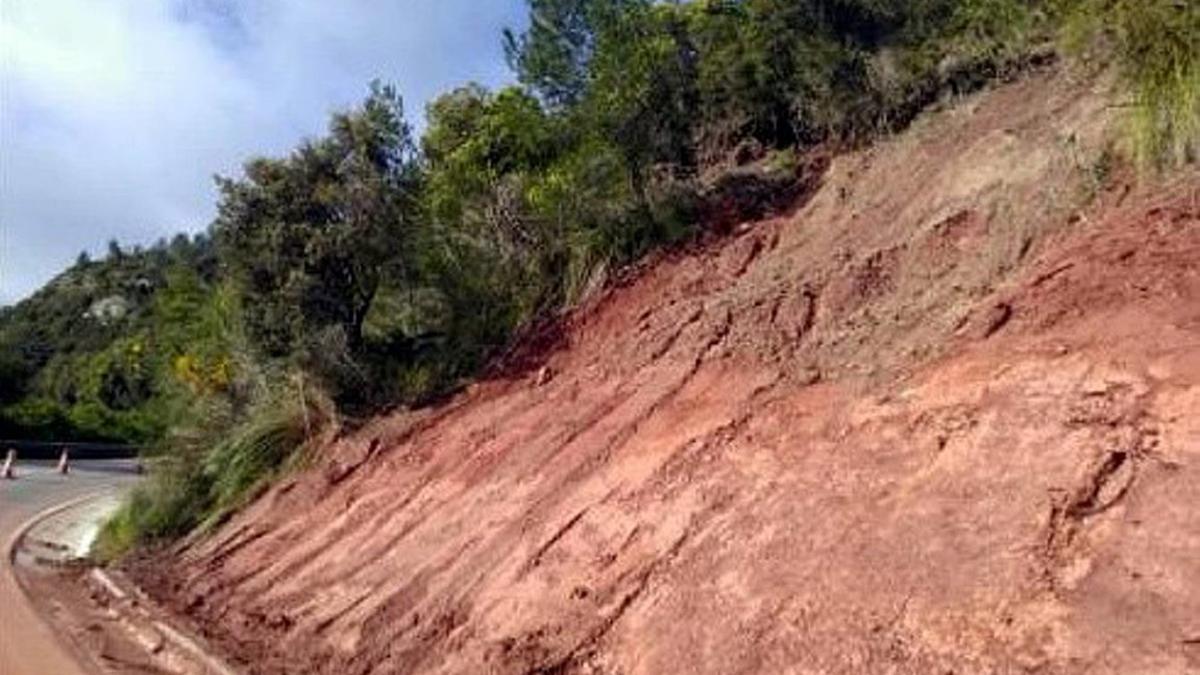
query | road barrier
[108, 459]
[52, 450]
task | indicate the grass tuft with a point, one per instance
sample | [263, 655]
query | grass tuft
[1155, 45]
[210, 469]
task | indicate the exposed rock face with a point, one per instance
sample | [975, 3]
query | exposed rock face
[109, 310]
[929, 423]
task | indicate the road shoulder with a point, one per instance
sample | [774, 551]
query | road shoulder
[101, 620]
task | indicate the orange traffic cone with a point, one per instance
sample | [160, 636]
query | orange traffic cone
[64, 462]
[9, 460]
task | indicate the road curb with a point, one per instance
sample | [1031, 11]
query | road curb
[80, 656]
[117, 590]
[10, 547]
[128, 593]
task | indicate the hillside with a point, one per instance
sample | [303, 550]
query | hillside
[939, 418]
[82, 359]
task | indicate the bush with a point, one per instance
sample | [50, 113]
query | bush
[172, 501]
[1156, 47]
[254, 450]
[212, 465]
[36, 419]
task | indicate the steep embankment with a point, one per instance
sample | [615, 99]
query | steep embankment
[937, 420]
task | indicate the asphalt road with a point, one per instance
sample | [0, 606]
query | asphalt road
[27, 644]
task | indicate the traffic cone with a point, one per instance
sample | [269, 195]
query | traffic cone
[9, 460]
[64, 462]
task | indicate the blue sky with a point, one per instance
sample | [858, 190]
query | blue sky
[115, 114]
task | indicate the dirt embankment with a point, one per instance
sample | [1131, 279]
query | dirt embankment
[938, 420]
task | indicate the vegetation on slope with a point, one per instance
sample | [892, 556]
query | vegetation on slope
[86, 357]
[1156, 46]
[383, 270]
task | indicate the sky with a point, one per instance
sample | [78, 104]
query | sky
[116, 114]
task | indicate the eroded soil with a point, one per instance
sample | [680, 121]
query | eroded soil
[941, 419]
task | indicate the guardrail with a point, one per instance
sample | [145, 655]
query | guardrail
[77, 451]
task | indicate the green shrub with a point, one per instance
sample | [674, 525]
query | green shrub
[1156, 47]
[174, 499]
[212, 464]
[271, 434]
[37, 419]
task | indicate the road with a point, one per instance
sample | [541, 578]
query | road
[27, 645]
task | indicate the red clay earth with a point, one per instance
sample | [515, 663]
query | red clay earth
[941, 419]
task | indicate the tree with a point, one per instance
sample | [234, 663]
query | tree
[493, 259]
[309, 238]
[553, 55]
[474, 140]
[619, 71]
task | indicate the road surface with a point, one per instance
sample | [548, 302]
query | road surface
[27, 644]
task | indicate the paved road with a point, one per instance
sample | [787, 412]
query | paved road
[27, 645]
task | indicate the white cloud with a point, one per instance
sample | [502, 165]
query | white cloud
[114, 115]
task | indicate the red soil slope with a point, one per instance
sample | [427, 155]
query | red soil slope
[938, 420]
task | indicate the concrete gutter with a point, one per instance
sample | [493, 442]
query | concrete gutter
[65, 533]
[169, 646]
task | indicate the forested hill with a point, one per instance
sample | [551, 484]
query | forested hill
[84, 357]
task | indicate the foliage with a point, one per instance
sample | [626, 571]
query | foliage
[212, 463]
[1156, 46]
[273, 430]
[308, 239]
[71, 371]
[168, 505]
